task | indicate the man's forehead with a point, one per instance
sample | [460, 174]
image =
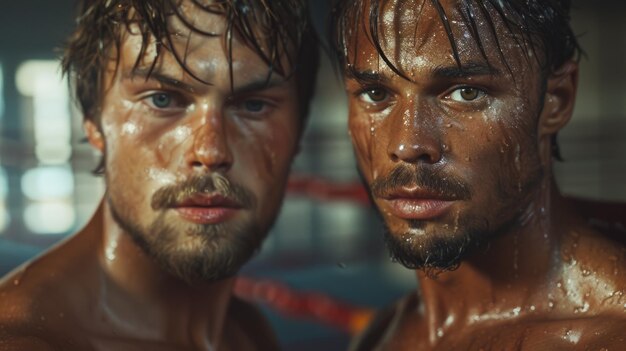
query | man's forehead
[199, 46]
[420, 33]
[205, 58]
[190, 16]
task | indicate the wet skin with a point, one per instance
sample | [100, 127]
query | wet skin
[546, 279]
[99, 290]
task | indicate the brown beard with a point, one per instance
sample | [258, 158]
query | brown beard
[195, 252]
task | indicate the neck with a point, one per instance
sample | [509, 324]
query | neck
[138, 295]
[506, 280]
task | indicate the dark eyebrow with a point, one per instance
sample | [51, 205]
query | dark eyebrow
[466, 70]
[255, 85]
[470, 69]
[160, 77]
[365, 76]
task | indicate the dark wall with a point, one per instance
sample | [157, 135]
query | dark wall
[34, 28]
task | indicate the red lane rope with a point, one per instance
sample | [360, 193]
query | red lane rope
[311, 306]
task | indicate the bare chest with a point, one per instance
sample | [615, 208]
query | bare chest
[507, 336]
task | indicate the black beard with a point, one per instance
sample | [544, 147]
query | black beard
[437, 252]
[444, 252]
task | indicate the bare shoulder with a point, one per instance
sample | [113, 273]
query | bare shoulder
[25, 319]
[21, 343]
[38, 300]
[592, 333]
[22, 296]
[247, 328]
[608, 334]
[32, 316]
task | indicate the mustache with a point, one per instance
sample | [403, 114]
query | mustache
[214, 183]
[423, 177]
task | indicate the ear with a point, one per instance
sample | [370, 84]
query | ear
[559, 99]
[94, 135]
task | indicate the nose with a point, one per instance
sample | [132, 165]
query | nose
[209, 145]
[413, 141]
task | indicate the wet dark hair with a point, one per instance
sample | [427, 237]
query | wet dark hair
[540, 26]
[273, 29]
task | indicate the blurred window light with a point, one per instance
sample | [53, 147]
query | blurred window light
[1, 92]
[50, 217]
[5, 219]
[4, 184]
[4, 192]
[42, 80]
[341, 219]
[48, 183]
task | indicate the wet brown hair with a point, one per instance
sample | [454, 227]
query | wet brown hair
[282, 23]
[540, 26]
[274, 29]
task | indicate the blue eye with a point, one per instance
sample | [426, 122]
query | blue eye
[161, 100]
[254, 105]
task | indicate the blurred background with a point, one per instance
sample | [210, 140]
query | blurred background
[324, 267]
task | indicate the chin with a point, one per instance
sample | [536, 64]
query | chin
[427, 246]
[194, 253]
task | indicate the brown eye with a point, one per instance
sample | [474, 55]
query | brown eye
[374, 95]
[469, 93]
[466, 94]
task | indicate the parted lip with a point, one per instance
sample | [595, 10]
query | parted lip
[415, 203]
[208, 200]
[416, 193]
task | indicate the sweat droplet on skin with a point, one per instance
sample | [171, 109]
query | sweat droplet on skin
[572, 336]
[582, 308]
[161, 176]
[516, 311]
[127, 104]
[130, 128]
[110, 251]
[456, 221]
[181, 133]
